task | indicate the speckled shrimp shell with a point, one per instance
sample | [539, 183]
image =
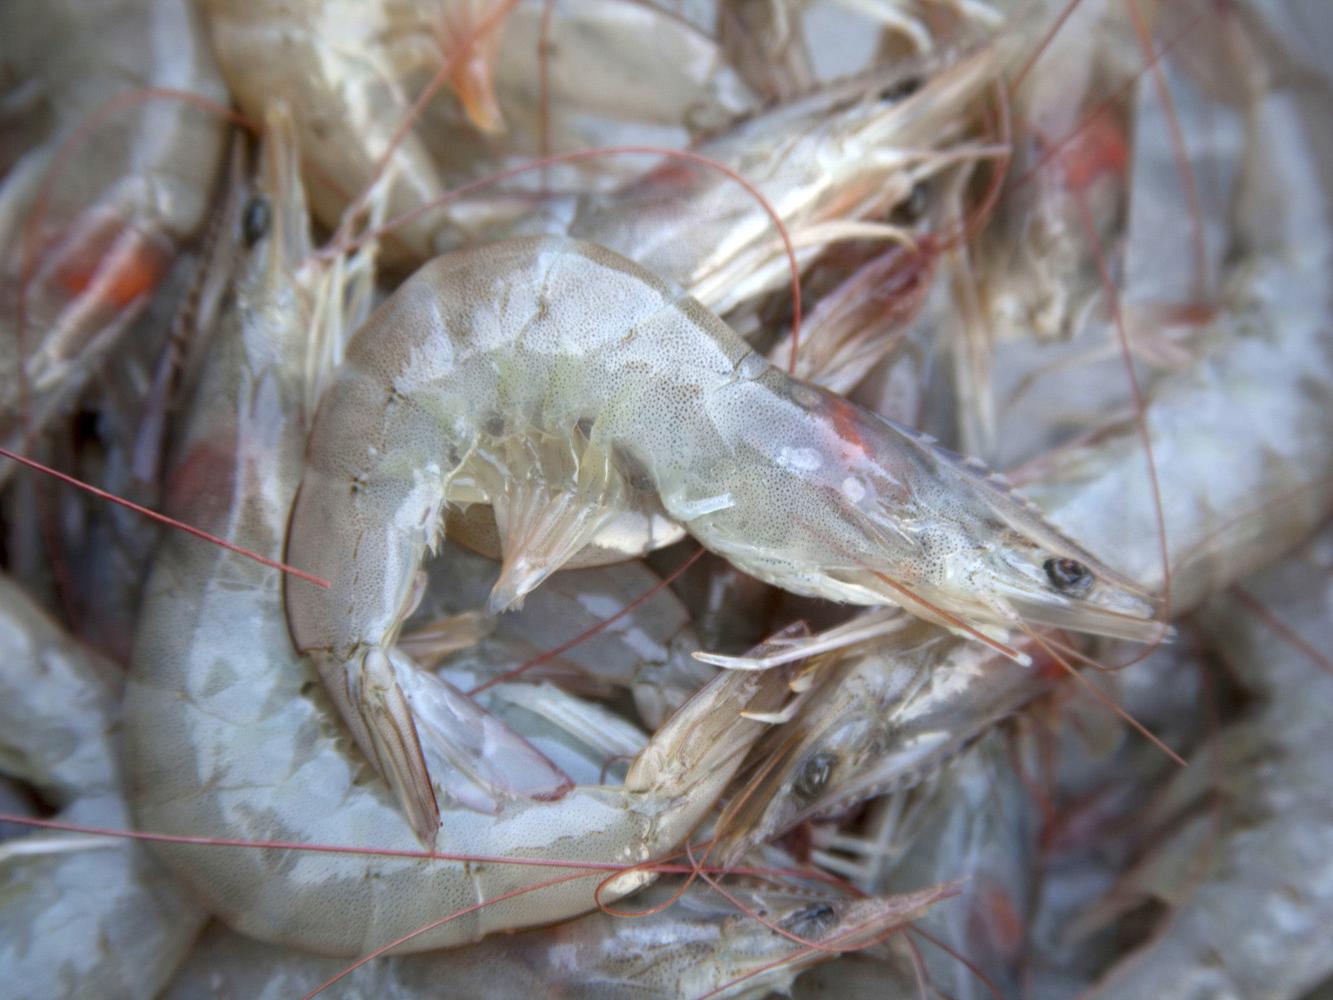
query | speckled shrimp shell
[571, 389]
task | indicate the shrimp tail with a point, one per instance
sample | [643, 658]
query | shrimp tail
[431, 742]
[472, 46]
[374, 707]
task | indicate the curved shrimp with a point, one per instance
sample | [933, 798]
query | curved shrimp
[849, 151]
[227, 730]
[565, 385]
[86, 246]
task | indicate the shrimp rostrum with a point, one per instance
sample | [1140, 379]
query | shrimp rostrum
[570, 389]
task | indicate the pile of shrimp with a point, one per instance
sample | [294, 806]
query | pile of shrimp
[666, 498]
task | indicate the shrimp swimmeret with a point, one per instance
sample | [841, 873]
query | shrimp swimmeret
[569, 388]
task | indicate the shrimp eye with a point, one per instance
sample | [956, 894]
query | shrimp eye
[1068, 575]
[911, 209]
[900, 90]
[814, 775]
[255, 220]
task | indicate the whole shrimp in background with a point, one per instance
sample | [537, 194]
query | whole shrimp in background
[87, 238]
[1032, 273]
[601, 71]
[563, 385]
[228, 732]
[978, 825]
[699, 946]
[851, 150]
[82, 916]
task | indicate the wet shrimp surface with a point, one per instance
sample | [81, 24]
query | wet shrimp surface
[686, 500]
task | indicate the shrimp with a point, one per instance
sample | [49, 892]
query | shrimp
[564, 385]
[700, 945]
[881, 720]
[351, 67]
[87, 239]
[978, 825]
[853, 149]
[1261, 394]
[80, 916]
[616, 71]
[227, 729]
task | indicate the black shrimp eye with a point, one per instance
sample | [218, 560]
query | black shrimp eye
[815, 773]
[900, 89]
[255, 220]
[910, 210]
[1068, 575]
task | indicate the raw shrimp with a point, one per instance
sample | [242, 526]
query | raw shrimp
[978, 825]
[1241, 440]
[79, 916]
[351, 68]
[616, 71]
[229, 731]
[563, 384]
[573, 75]
[881, 719]
[698, 946]
[87, 239]
[1032, 272]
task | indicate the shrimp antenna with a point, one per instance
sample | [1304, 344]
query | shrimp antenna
[1101, 695]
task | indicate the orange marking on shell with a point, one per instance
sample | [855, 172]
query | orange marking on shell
[846, 422]
[1097, 149]
[1002, 919]
[120, 273]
